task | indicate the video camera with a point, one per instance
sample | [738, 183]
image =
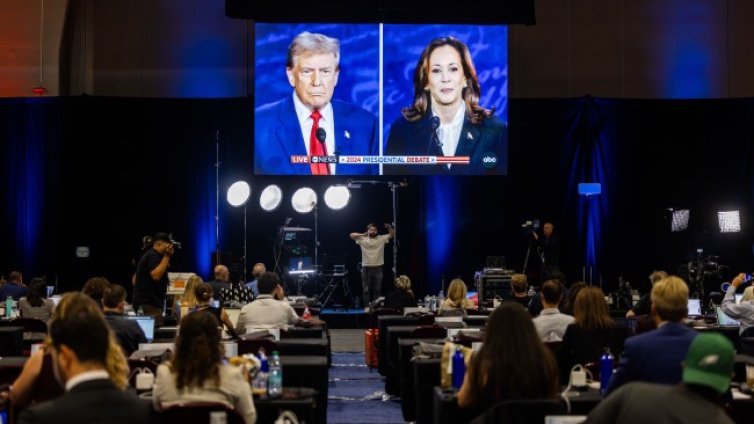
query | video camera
[176, 244]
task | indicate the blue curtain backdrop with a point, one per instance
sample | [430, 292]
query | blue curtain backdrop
[101, 172]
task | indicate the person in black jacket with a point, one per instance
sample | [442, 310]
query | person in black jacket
[79, 350]
[402, 296]
[128, 332]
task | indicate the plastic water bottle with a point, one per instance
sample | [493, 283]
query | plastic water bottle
[307, 315]
[275, 378]
[459, 368]
[606, 370]
[8, 307]
[440, 298]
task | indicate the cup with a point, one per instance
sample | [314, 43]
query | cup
[144, 381]
[578, 378]
[750, 375]
[496, 302]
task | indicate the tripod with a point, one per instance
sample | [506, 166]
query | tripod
[336, 279]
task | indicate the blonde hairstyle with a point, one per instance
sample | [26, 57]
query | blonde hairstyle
[518, 283]
[457, 292]
[590, 309]
[656, 276]
[748, 294]
[189, 295]
[670, 298]
[116, 364]
[403, 283]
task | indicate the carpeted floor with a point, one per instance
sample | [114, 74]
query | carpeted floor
[356, 394]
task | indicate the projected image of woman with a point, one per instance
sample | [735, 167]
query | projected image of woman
[446, 119]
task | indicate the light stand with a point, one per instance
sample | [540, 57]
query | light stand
[238, 195]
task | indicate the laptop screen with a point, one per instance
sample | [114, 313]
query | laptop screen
[146, 324]
[724, 320]
[695, 308]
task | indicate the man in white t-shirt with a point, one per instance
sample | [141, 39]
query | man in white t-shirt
[372, 259]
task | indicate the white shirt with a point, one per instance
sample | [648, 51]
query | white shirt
[264, 313]
[327, 122]
[86, 376]
[450, 133]
[373, 249]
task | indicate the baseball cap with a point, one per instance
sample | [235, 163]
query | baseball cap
[709, 362]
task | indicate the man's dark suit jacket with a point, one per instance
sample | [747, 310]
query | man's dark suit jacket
[655, 356]
[277, 136]
[94, 401]
[476, 140]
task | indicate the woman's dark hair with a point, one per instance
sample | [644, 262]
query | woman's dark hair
[570, 300]
[471, 94]
[512, 363]
[95, 288]
[37, 292]
[590, 310]
[197, 351]
[203, 293]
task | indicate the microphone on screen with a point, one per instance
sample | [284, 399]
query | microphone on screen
[321, 134]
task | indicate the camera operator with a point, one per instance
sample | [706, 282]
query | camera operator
[152, 277]
[548, 249]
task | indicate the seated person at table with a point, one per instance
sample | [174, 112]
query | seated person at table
[37, 381]
[456, 303]
[235, 294]
[644, 304]
[196, 372]
[520, 289]
[551, 324]
[203, 297]
[707, 371]
[656, 356]
[35, 304]
[128, 332]
[569, 300]
[743, 311]
[586, 339]
[402, 296]
[512, 363]
[266, 311]
[80, 343]
[187, 300]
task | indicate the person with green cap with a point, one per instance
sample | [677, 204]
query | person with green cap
[707, 371]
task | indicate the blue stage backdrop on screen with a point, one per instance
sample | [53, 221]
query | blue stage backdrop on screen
[282, 146]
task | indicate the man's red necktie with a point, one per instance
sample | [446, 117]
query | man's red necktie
[317, 148]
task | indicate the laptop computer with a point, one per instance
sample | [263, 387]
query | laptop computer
[695, 307]
[146, 323]
[724, 320]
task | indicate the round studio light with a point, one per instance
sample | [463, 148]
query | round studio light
[304, 200]
[337, 197]
[271, 198]
[238, 193]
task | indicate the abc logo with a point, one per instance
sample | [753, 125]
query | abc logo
[489, 160]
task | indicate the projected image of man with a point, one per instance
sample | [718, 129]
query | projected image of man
[309, 122]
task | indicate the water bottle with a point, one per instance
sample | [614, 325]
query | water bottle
[440, 298]
[459, 368]
[606, 370]
[307, 315]
[275, 378]
[9, 307]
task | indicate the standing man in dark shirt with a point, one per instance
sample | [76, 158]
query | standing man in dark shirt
[152, 278]
[128, 332]
[548, 248]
